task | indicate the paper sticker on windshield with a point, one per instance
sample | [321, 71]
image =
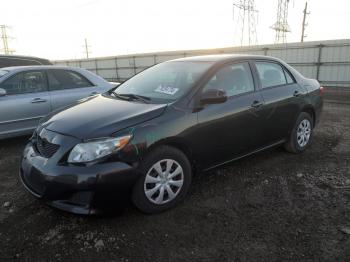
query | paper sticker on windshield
[167, 90]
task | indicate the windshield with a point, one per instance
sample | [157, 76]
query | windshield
[165, 82]
[3, 72]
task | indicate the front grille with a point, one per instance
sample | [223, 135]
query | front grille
[45, 148]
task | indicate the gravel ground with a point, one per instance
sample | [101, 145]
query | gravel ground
[273, 206]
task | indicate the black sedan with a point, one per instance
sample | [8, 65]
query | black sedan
[147, 137]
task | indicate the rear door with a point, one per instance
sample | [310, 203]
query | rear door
[67, 86]
[27, 100]
[282, 97]
[229, 129]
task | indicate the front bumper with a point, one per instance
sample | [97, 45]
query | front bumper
[77, 189]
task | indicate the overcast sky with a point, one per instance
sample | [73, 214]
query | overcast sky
[56, 29]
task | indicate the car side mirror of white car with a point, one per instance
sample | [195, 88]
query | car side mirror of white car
[2, 92]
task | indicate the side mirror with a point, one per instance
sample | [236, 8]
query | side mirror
[213, 96]
[2, 92]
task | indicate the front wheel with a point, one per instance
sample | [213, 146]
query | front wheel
[165, 181]
[301, 135]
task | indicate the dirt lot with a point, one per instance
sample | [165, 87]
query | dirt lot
[273, 206]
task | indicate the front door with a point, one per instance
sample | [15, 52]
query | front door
[26, 101]
[233, 128]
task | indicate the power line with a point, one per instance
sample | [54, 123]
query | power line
[5, 40]
[305, 24]
[246, 22]
[281, 26]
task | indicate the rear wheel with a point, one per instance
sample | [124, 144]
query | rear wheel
[301, 135]
[165, 181]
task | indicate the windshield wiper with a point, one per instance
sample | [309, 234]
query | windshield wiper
[145, 99]
[120, 96]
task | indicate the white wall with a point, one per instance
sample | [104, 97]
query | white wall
[328, 61]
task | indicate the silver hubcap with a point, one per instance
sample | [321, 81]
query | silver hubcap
[163, 181]
[303, 132]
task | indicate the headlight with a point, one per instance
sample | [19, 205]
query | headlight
[89, 151]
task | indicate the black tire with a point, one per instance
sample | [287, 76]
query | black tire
[139, 197]
[292, 145]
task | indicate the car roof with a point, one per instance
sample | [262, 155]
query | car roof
[42, 60]
[223, 58]
[39, 67]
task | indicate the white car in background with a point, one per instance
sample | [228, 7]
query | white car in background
[27, 93]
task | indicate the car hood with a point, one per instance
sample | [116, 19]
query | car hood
[100, 116]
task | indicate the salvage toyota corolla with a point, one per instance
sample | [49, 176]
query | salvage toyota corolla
[147, 137]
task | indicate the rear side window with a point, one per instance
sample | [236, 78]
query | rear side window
[26, 82]
[235, 79]
[66, 79]
[289, 78]
[270, 74]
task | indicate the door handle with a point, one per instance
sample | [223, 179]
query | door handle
[297, 93]
[257, 104]
[38, 100]
[93, 93]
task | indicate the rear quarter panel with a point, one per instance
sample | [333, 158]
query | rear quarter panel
[313, 99]
[314, 96]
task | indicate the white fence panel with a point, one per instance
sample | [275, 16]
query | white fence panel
[88, 64]
[329, 61]
[144, 61]
[108, 63]
[307, 70]
[107, 73]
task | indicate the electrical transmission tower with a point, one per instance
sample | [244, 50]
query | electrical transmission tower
[281, 26]
[6, 49]
[246, 23]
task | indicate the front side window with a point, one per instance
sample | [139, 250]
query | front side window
[270, 74]
[65, 79]
[235, 79]
[26, 82]
[165, 82]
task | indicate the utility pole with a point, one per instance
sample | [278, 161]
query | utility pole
[87, 51]
[246, 22]
[6, 49]
[304, 23]
[281, 26]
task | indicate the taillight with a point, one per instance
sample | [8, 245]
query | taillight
[322, 90]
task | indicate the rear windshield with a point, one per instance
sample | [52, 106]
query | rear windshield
[3, 72]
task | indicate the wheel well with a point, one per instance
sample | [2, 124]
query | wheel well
[311, 112]
[180, 146]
